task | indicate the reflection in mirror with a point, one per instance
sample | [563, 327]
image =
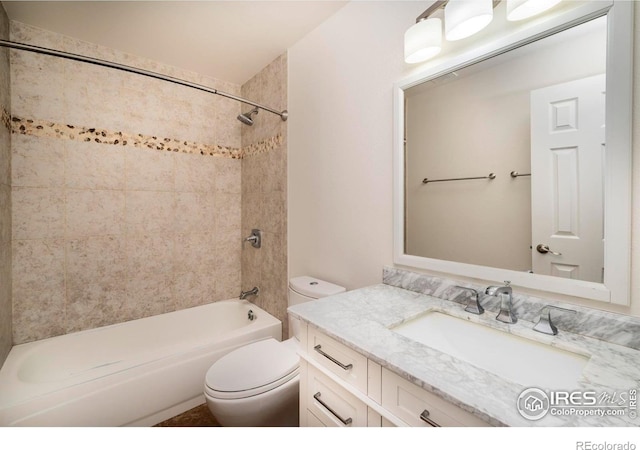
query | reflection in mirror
[537, 111]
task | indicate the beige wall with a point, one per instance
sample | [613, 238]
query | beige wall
[340, 138]
[264, 191]
[127, 194]
[340, 141]
[5, 195]
[449, 136]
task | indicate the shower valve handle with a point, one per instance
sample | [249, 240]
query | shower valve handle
[255, 238]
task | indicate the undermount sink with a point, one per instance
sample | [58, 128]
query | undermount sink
[527, 362]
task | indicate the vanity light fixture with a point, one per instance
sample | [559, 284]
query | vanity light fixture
[423, 40]
[462, 18]
[523, 9]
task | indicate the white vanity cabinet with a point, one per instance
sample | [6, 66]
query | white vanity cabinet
[341, 387]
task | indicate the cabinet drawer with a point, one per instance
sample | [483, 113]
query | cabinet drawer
[344, 362]
[313, 421]
[331, 404]
[409, 402]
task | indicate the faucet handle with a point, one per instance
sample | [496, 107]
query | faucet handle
[474, 305]
[544, 324]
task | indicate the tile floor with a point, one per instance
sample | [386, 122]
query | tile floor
[200, 416]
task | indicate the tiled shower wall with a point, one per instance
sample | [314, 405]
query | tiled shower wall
[126, 190]
[5, 194]
[264, 191]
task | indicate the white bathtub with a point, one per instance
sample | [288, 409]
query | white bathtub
[136, 373]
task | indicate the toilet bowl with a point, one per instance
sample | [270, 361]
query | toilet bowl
[257, 385]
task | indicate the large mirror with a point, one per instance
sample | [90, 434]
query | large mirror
[514, 165]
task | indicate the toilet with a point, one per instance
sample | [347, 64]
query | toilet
[257, 385]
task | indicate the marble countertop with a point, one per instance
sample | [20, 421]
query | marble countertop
[361, 319]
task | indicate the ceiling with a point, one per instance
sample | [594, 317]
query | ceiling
[227, 40]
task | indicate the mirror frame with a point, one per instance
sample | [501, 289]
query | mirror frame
[617, 214]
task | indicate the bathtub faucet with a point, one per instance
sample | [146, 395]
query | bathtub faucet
[245, 294]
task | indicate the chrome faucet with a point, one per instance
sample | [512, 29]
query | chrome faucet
[473, 306]
[255, 238]
[245, 294]
[544, 324]
[504, 293]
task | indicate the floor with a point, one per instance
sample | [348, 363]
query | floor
[200, 416]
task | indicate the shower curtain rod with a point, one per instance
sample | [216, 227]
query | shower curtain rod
[100, 62]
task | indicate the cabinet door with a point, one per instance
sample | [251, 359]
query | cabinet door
[420, 408]
[333, 405]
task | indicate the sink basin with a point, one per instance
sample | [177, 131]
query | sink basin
[527, 362]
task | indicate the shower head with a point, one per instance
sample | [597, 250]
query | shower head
[246, 117]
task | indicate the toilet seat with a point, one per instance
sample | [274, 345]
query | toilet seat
[251, 370]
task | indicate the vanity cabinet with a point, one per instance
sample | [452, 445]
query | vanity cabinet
[341, 387]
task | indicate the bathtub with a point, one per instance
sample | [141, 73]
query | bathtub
[135, 373]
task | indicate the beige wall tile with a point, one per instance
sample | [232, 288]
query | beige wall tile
[37, 162]
[33, 95]
[37, 213]
[150, 254]
[38, 289]
[5, 214]
[6, 307]
[5, 152]
[96, 261]
[150, 170]
[38, 315]
[195, 174]
[147, 294]
[38, 264]
[193, 289]
[228, 217]
[95, 213]
[150, 212]
[91, 165]
[228, 177]
[195, 252]
[228, 272]
[196, 212]
[93, 305]
[145, 231]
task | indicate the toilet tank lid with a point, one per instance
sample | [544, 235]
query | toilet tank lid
[314, 288]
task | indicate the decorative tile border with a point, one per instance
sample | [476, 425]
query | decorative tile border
[605, 326]
[263, 146]
[42, 128]
[6, 119]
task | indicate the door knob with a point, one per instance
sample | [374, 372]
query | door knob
[544, 248]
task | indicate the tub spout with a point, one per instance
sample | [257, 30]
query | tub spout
[245, 294]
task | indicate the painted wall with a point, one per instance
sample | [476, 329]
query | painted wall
[448, 136]
[264, 191]
[340, 136]
[340, 140]
[5, 194]
[127, 190]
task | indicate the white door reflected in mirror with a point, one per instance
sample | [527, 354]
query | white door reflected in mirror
[567, 179]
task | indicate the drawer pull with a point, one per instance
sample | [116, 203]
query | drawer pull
[328, 408]
[425, 416]
[331, 358]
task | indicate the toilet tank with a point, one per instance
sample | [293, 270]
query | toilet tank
[304, 289]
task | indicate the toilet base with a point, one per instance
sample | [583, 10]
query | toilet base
[278, 407]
